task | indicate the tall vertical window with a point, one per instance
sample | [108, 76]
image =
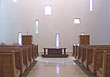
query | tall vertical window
[48, 10]
[19, 38]
[37, 23]
[57, 39]
[91, 5]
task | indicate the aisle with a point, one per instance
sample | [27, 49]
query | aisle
[56, 67]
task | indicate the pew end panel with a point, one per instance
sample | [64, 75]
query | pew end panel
[7, 65]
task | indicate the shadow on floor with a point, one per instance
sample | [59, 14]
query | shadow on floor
[84, 69]
[29, 69]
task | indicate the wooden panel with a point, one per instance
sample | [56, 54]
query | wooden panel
[104, 71]
[30, 52]
[18, 57]
[1, 69]
[26, 39]
[7, 65]
[21, 48]
[108, 65]
[54, 51]
[84, 39]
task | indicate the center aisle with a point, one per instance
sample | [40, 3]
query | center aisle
[56, 67]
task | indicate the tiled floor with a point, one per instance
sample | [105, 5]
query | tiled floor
[56, 67]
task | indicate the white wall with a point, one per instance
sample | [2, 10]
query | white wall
[108, 22]
[20, 17]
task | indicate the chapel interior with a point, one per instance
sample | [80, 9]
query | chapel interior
[54, 38]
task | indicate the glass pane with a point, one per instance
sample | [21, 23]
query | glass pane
[47, 10]
[77, 21]
[57, 39]
[91, 5]
[37, 23]
[19, 38]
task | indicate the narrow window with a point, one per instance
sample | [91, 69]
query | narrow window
[77, 21]
[37, 23]
[91, 5]
[57, 39]
[48, 10]
[19, 38]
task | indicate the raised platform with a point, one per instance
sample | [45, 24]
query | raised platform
[54, 53]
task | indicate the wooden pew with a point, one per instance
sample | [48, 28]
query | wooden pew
[35, 49]
[86, 53]
[105, 70]
[30, 53]
[74, 50]
[18, 57]
[26, 57]
[81, 54]
[25, 53]
[33, 52]
[91, 56]
[88, 57]
[96, 60]
[8, 65]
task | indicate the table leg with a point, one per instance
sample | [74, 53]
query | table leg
[64, 51]
[44, 51]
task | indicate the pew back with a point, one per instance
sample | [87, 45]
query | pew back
[18, 57]
[7, 65]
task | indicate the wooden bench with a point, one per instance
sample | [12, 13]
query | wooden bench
[93, 58]
[86, 50]
[35, 49]
[33, 52]
[25, 51]
[26, 57]
[8, 65]
[105, 70]
[96, 60]
[74, 50]
[88, 57]
[30, 53]
[81, 54]
[18, 57]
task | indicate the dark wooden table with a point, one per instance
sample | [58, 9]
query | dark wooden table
[55, 52]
